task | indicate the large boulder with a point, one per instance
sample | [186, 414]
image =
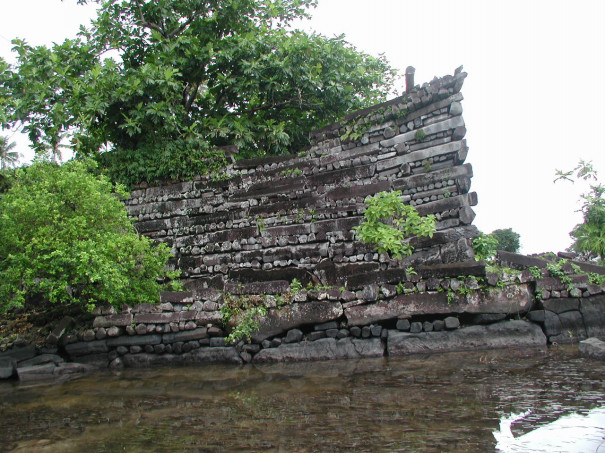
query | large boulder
[322, 349]
[593, 348]
[281, 320]
[506, 334]
[510, 299]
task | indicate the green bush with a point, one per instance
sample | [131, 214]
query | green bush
[485, 246]
[66, 238]
[388, 223]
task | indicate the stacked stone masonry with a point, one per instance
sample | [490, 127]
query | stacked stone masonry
[270, 220]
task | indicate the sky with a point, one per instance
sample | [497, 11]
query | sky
[533, 95]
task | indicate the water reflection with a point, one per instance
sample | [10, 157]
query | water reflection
[570, 433]
[449, 402]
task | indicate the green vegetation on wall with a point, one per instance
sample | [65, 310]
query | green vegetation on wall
[388, 223]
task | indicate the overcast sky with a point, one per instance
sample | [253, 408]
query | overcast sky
[534, 96]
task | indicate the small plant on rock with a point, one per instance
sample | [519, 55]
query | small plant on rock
[388, 224]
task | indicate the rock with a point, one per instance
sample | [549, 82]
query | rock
[488, 318]
[293, 336]
[217, 342]
[451, 323]
[137, 340]
[593, 313]
[88, 335]
[42, 359]
[114, 331]
[506, 334]
[593, 348]
[187, 335]
[427, 326]
[342, 333]
[86, 348]
[438, 325]
[59, 330]
[100, 333]
[331, 333]
[376, 330]
[511, 299]
[403, 325]
[552, 323]
[19, 354]
[116, 364]
[366, 332]
[36, 372]
[416, 327]
[7, 367]
[322, 349]
[355, 331]
[536, 316]
[289, 316]
[572, 328]
[326, 326]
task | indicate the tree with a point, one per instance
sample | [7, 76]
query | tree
[66, 238]
[507, 240]
[588, 236]
[8, 158]
[189, 77]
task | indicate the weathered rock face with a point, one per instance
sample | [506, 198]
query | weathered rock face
[511, 299]
[507, 334]
[593, 348]
[323, 349]
[284, 217]
[279, 321]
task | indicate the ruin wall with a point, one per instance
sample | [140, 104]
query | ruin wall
[264, 222]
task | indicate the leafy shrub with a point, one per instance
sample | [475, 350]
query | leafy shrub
[66, 238]
[388, 223]
[485, 246]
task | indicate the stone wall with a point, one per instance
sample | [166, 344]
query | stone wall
[264, 222]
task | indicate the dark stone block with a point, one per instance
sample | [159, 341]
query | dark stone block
[217, 342]
[187, 335]
[326, 325]
[438, 325]
[87, 347]
[593, 313]
[19, 354]
[593, 348]
[476, 268]
[536, 316]
[572, 327]
[517, 261]
[552, 323]
[416, 327]
[427, 326]
[331, 333]
[293, 336]
[7, 368]
[451, 323]
[322, 349]
[403, 325]
[366, 332]
[136, 340]
[355, 331]
[561, 305]
[376, 331]
[506, 334]
[488, 318]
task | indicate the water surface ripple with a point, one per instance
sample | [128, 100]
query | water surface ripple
[438, 403]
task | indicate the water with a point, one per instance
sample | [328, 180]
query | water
[450, 402]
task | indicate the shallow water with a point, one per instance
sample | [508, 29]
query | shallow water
[448, 402]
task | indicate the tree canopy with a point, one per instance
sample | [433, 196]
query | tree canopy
[588, 236]
[66, 238]
[154, 89]
[507, 240]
